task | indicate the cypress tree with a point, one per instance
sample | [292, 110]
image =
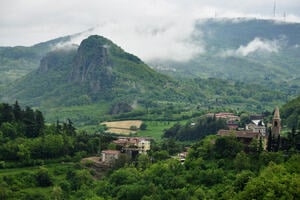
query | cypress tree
[270, 141]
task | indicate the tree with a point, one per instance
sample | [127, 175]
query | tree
[143, 126]
[171, 146]
[241, 161]
[132, 192]
[23, 153]
[160, 155]
[273, 182]
[270, 140]
[81, 178]
[17, 111]
[227, 147]
[244, 119]
[57, 193]
[39, 122]
[68, 128]
[8, 130]
[124, 176]
[43, 178]
[6, 113]
[29, 121]
[242, 179]
[143, 161]
[53, 145]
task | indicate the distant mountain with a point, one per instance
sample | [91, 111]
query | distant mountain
[18, 61]
[98, 78]
[97, 71]
[264, 52]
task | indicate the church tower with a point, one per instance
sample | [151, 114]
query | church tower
[276, 125]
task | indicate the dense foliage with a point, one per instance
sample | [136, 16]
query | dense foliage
[71, 82]
[16, 62]
[195, 131]
[215, 167]
[16, 122]
[209, 172]
[26, 140]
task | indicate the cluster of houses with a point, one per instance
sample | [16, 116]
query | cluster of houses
[131, 146]
[255, 130]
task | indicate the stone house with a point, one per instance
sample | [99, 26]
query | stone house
[110, 156]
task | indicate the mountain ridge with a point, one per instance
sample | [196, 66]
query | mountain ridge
[101, 77]
[95, 69]
[251, 50]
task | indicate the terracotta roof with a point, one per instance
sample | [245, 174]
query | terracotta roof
[238, 134]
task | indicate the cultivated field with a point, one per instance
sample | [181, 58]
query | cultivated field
[123, 127]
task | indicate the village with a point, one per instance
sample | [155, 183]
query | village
[255, 131]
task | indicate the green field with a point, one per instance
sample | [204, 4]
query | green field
[155, 129]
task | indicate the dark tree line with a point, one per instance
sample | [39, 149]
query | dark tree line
[195, 131]
[25, 138]
[17, 122]
[289, 143]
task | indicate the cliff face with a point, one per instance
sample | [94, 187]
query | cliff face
[97, 71]
[92, 64]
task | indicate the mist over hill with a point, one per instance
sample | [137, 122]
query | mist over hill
[248, 50]
[247, 64]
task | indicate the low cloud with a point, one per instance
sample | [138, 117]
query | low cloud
[165, 41]
[150, 29]
[257, 44]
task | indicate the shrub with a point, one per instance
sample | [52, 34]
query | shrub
[43, 178]
[2, 164]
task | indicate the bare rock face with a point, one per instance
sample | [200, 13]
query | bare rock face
[92, 64]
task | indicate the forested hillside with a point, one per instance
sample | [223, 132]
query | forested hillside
[26, 140]
[291, 113]
[100, 76]
[247, 50]
[42, 161]
[246, 65]
[16, 62]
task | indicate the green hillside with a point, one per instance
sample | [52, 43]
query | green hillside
[290, 112]
[43, 161]
[18, 61]
[99, 80]
[99, 71]
[248, 50]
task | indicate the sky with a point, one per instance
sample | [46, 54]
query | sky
[151, 29]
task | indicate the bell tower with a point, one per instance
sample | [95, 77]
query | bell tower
[276, 125]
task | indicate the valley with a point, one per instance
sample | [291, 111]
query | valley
[93, 121]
